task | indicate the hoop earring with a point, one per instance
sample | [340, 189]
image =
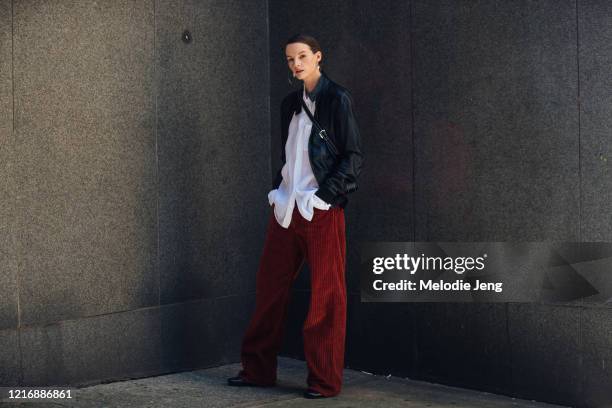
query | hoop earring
[289, 79]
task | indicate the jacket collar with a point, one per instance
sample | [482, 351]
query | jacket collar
[317, 93]
[321, 84]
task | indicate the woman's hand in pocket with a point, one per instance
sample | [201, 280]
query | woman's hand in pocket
[317, 202]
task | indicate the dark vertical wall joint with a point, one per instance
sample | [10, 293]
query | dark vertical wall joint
[156, 120]
[578, 108]
[412, 82]
[270, 163]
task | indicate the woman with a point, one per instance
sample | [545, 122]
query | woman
[306, 223]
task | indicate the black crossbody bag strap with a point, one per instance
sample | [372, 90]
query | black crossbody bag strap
[320, 131]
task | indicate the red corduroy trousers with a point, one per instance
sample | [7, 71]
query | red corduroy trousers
[322, 243]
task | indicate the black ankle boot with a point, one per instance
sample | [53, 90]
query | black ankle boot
[240, 382]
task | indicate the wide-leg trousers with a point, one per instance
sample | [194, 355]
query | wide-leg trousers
[322, 243]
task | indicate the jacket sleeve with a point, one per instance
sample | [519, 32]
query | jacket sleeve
[343, 178]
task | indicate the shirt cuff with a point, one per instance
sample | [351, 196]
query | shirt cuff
[324, 194]
[317, 202]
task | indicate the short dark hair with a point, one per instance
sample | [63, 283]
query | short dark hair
[306, 39]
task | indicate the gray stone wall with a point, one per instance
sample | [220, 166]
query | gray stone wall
[134, 174]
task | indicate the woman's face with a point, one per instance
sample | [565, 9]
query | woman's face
[301, 60]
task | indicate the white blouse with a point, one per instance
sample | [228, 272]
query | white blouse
[299, 183]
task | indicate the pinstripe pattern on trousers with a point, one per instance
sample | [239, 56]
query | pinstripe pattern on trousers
[322, 243]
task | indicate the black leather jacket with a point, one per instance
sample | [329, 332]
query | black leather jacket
[334, 112]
